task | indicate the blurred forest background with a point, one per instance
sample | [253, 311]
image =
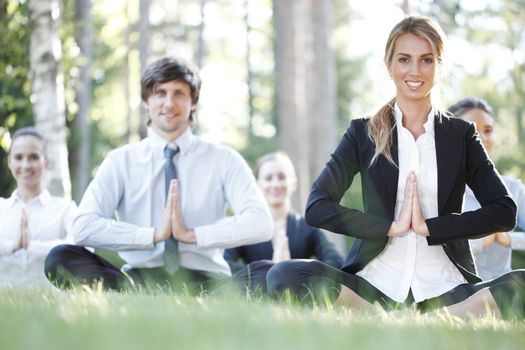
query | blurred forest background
[282, 74]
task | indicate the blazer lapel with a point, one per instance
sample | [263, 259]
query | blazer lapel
[448, 158]
[391, 172]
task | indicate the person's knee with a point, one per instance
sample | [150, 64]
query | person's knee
[261, 264]
[519, 276]
[508, 292]
[56, 259]
[286, 275]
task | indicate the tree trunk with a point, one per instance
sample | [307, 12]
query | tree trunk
[322, 90]
[322, 98]
[48, 90]
[291, 56]
[249, 71]
[306, 87]
[143, 57]
[199, 55]
[126, 81]
[81, 126]
[407, 7]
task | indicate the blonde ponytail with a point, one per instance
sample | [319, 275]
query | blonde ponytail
[379, 129]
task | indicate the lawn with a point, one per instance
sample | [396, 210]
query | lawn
[90, 319]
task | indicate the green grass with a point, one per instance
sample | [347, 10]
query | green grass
[88, 319]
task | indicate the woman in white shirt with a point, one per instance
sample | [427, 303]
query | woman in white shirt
[411, 240]
[31, 220]
[492, 253]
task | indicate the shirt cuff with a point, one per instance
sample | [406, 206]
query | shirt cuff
[200, 237]
[204, 236]
[144, 237]
[6, 247]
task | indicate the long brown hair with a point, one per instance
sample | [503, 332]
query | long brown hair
[380, 125]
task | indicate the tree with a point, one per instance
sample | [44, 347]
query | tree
[48, 90]
[15, 89]
[249, 70]
[200, 51]
[291, 54]
[143, 46]
[306, 87]
[80, 157]
[321, 90]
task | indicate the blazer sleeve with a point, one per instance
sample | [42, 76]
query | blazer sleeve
[323, 208]
[498, 210]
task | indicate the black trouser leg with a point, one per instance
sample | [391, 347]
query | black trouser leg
[70, 265]
[305, 278]
[184, 280]
[253, 276]
[508, 291]
[312, 280]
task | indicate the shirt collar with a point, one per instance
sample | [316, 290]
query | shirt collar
[184, 141]
[43, 198]
[429, 124]
[13, 198]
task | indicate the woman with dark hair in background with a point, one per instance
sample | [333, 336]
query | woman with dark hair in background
[32, 221]
[492, 253]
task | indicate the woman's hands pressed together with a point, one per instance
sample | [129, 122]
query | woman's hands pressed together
[281, 248]
[411, 216]
[25, 236]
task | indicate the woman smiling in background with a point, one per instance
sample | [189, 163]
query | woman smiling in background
[292, 237]
[31, 220]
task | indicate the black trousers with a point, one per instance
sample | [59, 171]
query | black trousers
[314, 281]
[252, 277]
[70, 265]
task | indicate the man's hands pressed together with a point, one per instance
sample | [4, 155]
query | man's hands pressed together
[172, 223]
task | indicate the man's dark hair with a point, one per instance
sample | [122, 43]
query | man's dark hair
[170, 69]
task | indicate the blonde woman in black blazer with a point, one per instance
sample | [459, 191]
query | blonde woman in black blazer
[402, 256]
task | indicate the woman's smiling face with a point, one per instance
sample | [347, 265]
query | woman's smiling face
[413, 68]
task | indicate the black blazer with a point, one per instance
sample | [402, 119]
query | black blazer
[461, 160]
[304, 242]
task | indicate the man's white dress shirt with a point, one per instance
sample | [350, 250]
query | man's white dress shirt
[408, 262]
[130, 182]
[49, 223]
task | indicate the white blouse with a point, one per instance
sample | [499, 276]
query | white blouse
[49, 223]
[408, 262]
